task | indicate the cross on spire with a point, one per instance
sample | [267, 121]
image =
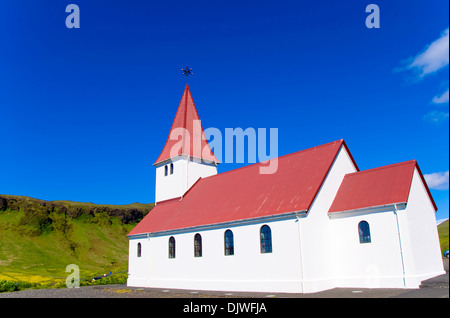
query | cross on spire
[187, 71]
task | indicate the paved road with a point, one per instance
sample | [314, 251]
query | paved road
[437, 287]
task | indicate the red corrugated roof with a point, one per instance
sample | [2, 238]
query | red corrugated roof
[376, 187]
[244, 193]
[185, 117]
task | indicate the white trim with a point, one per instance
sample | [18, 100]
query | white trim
[187, 157]
[372, 209]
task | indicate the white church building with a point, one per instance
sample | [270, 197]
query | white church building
[317, 223]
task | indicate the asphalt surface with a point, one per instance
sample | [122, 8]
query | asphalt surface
[437, 287]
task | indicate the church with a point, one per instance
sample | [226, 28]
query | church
[317, 223]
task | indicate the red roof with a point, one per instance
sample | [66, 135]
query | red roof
[244, 193]
[186, 118]
[376, 187]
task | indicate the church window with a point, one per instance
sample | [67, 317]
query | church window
[171, 168]
[229, 243]
[139, 249]
[198, 245]
[364, 232]
[166, 170]
[171, 247]
[266, 239]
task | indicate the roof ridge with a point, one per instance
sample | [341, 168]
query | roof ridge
[384, 167]
[283, 156]
[341, 141]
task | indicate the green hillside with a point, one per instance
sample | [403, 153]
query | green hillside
[443, 235]
[38, 239]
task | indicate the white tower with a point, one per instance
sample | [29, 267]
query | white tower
[186, 155]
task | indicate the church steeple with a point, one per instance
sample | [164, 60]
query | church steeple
[186, 155]
[193, 142]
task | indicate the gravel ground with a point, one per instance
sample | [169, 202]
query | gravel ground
[437, 287]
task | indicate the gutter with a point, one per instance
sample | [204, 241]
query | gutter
[269, 218]
[377, 208]
[187, 157]
[302, 263]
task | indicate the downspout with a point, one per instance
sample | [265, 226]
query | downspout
[150, 265]
[301, 251]
[400, 243]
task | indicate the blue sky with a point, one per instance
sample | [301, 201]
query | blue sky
[85, 112]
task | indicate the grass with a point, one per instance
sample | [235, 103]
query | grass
[43, 259]
[97, 244]
[443, 235]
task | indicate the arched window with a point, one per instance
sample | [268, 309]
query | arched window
[171, 168]
[139, 249]
[171, 247]
[364, 232]
[166, 169]
[266, 239]
[229, 243]
[198, 245]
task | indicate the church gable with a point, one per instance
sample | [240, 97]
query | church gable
[382, 186]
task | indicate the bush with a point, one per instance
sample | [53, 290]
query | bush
[107, 280]
[6, 286]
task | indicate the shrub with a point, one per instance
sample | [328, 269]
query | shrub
[7, 286]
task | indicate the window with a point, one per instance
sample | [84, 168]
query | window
[165, 170]
[198, 245]
[266, 239]
[171, 247]
[364, 232]
[171, 168]
[139, 250]
[229, 243]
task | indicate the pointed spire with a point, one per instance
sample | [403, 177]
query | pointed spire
[187, 136]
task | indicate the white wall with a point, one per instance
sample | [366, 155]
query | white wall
[197, 169]
[246, 270]
[420, 237]
[173, 185]
[186, 173]
[399, 256]
[138, 267]
[371, 265]
[315, 228]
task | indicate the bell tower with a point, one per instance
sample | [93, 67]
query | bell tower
[186, 156]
